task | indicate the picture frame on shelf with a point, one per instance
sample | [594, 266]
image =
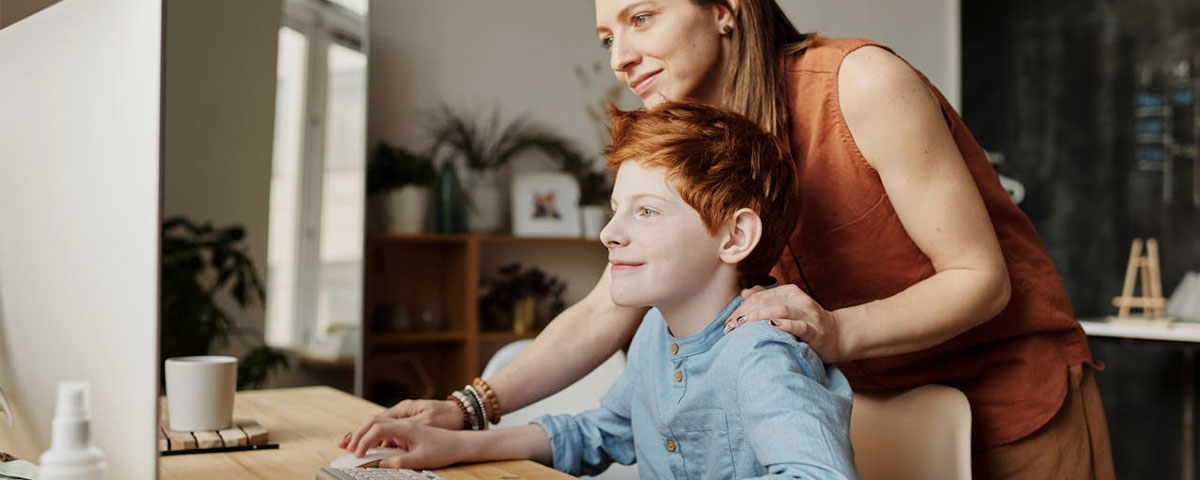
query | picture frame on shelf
[545, 204]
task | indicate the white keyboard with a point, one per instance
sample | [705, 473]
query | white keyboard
[330, 473]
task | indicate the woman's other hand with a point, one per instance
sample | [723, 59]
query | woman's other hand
[790, 309]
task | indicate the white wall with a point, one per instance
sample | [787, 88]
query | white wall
[218, 119]
[520, 54]
[924, 32]
[79, 212]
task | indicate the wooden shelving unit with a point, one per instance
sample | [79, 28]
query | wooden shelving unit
[441, 275]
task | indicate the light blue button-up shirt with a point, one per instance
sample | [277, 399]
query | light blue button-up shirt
[754, 403]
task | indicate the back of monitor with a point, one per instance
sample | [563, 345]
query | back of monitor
[79, 216]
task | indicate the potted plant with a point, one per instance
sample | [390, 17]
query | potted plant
[485, 147]
[595, 187]
[200, 264]
[401, 180]
[594, 193]
[521, 300]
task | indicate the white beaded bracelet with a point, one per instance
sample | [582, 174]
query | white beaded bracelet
[472, 417]
[482, 411]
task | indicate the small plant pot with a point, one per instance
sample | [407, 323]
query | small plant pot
[593, 217]
[487, 210]
[524, 314]
[407, 209]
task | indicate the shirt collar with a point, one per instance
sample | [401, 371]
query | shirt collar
[701, 341]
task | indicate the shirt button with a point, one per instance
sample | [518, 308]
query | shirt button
[678, 376]
[670, 445]
[674, 348]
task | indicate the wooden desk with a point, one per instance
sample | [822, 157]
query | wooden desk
[307, 423]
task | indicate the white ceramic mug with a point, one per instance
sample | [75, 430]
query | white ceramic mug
[200, 392]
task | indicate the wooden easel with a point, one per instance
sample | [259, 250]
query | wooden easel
[1151, 301]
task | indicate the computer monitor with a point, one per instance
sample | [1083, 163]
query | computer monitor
[79, 224]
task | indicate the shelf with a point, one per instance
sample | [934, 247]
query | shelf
[463, 238]
[505, 337]
[443, 274]
[421, 337]
[322, 363]
[563, 240]
[417, 238]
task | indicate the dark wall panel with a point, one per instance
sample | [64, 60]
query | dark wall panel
[1061, 88]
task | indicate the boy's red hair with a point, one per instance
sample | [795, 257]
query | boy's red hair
[720, 162]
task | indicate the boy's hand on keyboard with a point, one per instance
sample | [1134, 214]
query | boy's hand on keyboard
[427, 447]
[437, 413]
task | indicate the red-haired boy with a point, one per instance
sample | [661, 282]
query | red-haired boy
[702, 206]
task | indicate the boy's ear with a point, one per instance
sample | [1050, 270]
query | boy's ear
[741, 235]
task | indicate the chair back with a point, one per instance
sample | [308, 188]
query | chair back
[920, 433]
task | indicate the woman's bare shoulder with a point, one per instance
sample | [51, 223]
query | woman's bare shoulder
[886, 104]
[871, 76]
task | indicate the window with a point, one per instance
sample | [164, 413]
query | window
[314, 277]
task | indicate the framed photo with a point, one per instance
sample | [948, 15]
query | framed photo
[545, 204]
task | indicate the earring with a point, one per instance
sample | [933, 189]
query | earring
[726, 30]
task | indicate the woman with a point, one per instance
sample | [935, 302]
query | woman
[909, 264]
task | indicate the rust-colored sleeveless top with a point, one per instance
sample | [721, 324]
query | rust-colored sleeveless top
[850, 248]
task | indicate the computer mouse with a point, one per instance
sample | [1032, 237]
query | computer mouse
[371, 459]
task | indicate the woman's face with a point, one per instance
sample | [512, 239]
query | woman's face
[666, 49]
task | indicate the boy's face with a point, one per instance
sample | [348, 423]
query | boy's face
[658, 247]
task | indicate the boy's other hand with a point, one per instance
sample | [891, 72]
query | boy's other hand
[790, 309]
[436, 413]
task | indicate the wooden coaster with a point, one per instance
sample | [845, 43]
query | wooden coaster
[243, 432]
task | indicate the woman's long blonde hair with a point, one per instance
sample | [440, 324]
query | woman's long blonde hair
[755, 81]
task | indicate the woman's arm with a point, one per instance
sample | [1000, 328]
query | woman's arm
[586, 443]
[575, 343]
[898, 126]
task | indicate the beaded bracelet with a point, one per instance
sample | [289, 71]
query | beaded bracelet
[468, 416]
[491, 398]
[481, 410]
[466, 422]
[471, 419]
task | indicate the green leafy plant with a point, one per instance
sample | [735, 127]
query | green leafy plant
[514, 284]
[200, 263]
[489, 145]
[395, 167]
[594, 185]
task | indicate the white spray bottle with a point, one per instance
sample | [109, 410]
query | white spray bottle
[71, 455]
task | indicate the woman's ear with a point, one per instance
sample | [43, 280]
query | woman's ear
[727, 16]
[741, 235]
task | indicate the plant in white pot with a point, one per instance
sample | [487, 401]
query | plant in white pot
[401, 180]
[486, 147]
[594, 192]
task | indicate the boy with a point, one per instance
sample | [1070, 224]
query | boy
[702, 207]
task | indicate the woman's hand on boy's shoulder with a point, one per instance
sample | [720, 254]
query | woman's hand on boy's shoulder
[789, 309]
